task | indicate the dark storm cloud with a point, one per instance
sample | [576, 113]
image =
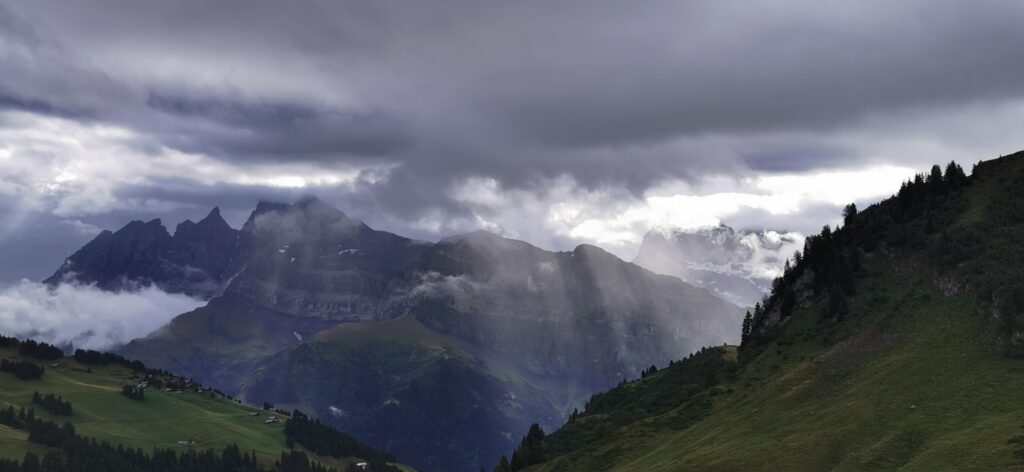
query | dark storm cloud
[239, 129]
[35, 105]
[529, 80]
[615, 95]
[41, 76]
[796, 158]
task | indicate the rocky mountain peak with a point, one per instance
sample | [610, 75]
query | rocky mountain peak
[211, 226]
[591, 251]
[144, 253]
[264, 207]
[308, 212]
[154, 228]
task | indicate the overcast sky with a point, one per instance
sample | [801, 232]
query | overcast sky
[556, 122]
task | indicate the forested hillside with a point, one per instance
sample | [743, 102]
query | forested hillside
[891, 342]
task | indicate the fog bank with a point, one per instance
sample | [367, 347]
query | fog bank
[85, 316]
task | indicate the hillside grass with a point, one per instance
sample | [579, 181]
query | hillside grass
[910, 381]
[161, 420]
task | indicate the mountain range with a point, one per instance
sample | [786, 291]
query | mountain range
[438, 352]
[738, 266]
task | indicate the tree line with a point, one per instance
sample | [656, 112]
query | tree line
[918, 219]
[40, 431]
[52, 403]
[40, 350]
[23, 370]
[74, 453]
[530, 452]
[91, 357]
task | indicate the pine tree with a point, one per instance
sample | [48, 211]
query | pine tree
[503, 465]
[533, 444]
[748, 324]
[936, 183]
[30, 463]
[849, 213]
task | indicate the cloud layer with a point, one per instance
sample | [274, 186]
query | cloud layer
[598, 119]
[84, 316]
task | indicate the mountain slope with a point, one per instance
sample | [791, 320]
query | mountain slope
[176, 411]
[400, 384]
[538, 331]
[910, 364]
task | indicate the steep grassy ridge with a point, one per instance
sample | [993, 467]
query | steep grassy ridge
[893, 344]
[915, 384]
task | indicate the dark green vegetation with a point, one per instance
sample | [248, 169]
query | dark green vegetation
[327, 441]
[179, 426]
[52, 403]
[890, 343]
[530, 452]
[24, 370]
[90, 357]
[42, 351]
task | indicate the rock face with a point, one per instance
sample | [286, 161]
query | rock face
[737, 266]
[439, 352]
[311, 260]
[193, 261]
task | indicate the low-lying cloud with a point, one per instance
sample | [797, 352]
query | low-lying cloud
[84, 316]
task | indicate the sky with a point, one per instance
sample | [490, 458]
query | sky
[555, 122]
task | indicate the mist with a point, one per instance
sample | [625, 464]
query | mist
[84, 316]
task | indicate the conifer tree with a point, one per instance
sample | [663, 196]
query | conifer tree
[849, 213]
[748, 323]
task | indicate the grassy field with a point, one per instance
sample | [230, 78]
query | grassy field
[910, 382]
[161, 420]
